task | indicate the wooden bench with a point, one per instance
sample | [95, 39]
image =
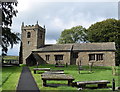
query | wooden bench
[54, 72]
[57, 77]
[101, 83]
[40, 69]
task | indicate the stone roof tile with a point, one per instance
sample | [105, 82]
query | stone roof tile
[95, 46]
[106, 46]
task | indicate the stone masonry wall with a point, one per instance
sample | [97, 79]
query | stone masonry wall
[66, 57]
[108, 58]
[29, 44]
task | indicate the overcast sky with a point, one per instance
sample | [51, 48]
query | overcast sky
[57, 16]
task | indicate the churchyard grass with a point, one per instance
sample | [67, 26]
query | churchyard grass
[98, 73]
[10, 77]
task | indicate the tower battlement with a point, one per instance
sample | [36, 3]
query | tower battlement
[33, 27]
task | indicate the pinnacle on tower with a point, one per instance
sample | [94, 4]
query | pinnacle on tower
[22, 24]
[44, 26]
[37, 22]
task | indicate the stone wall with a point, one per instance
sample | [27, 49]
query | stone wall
[28, 47]
[40, 37]
[29, 44]
[66, 57]
[108, 58]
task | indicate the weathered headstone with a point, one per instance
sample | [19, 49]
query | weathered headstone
[113, 70]
[90, 66]
[78, 68]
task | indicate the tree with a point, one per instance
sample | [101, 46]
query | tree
[8, 37]
[73, 35]
[106, 31]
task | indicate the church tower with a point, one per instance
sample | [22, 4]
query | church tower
[33, 37]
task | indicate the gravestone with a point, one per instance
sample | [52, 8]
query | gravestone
[90, 66]
[79, 66]
[113, 70]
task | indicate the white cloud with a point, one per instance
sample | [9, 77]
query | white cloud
[71, 1]
[47, 17]
[57, 23]
[23, 5]
[47, 41]
[60, 16]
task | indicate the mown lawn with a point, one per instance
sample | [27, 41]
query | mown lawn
[99, 73]
[10, 77]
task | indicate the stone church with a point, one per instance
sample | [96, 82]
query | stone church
[34, 51]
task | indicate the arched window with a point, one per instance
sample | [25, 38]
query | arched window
[28, 34]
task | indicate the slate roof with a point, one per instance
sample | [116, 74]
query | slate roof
[55, 47]
[106, 46]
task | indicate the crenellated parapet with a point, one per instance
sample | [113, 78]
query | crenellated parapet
[32, 27]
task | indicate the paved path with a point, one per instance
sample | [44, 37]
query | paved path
[27, 82]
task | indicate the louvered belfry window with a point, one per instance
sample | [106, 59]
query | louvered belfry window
[28, 34]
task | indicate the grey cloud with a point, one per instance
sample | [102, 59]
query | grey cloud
[67, 12]
[52, 34]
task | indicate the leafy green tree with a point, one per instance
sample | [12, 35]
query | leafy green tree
[73, 35]
[8, 37]
[106, 31]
